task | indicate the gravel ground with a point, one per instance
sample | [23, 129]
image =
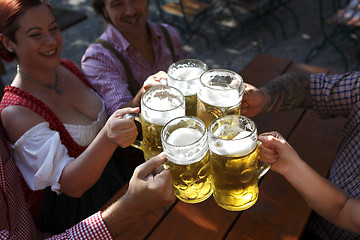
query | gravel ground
[240, 46]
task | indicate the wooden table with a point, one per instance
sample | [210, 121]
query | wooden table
[280, 212]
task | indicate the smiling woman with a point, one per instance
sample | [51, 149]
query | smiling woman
[65, 145]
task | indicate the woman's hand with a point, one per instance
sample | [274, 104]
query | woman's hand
[122, 132]
[155, 80]
[277, 151]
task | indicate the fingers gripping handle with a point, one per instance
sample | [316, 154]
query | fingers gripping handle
[265, 167]
[137, 144]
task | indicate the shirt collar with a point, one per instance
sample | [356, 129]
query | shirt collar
[155, 32]
[115, 36]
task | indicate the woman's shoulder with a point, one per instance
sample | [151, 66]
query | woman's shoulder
[18, 119]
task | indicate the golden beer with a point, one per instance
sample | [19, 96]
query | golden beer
[159, 105]
[220, 94]
[207, 113]
[235, 180]
[233, 161]
[192, 182]
[190, 105]
[185, 76]
[185, 143]
[151, 143]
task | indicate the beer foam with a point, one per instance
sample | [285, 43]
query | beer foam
[219, 98]
[187, 73]
[164, 112]
[161, 119]
[184, 136]
[186, 79]
[183, 152]
[162, 104]
[242, 134]
[242, 145]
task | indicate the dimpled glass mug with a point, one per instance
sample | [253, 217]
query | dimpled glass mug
[233, 148]
[220, 93]
[159, 105]
[185, 76]
[184, 140]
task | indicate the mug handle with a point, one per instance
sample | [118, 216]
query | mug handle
[137, 143]
[265, 167]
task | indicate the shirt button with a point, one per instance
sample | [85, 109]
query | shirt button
[16, 230]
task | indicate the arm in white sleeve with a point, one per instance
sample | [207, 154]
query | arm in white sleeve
[41, 157]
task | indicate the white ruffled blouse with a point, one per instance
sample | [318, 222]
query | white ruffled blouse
[41, 157]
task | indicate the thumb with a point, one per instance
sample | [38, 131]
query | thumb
[150, 166]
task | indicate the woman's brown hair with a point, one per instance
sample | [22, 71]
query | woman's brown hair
[10, 10]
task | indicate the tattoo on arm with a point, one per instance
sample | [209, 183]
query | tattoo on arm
[287, 92]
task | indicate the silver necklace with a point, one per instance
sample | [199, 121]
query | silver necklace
[55, 86]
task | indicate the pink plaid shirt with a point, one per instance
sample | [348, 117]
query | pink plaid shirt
[107, 75]
[15, 218]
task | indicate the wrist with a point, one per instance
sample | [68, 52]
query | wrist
[106, 138]
[266, 103]
[118, 216]
[295, 170]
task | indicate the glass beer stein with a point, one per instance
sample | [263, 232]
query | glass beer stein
[220, 93]
[233, 148]
[159, 105]
[185, 76]
[184, 140]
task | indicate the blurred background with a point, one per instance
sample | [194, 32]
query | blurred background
[229, 36]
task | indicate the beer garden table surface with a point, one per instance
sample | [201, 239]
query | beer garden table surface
[280, 212]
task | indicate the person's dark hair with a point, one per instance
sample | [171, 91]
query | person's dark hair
[98, 6]
[10, 10]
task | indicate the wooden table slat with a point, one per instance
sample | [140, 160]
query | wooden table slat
[264, 68]
[324, 133]
[204, 220]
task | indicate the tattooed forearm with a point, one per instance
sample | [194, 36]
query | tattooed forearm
[287, 92]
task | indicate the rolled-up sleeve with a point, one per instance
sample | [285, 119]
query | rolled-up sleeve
[41, 157]
[335, 95]
[91, 228]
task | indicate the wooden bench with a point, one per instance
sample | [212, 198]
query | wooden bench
[188, 8]
[254, 16]
[187, 16]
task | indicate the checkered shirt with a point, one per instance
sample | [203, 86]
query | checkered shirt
[339, 96]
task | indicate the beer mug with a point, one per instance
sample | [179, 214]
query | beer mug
[233, 148]
[185, 76]
[159, 105]
[184, 140]
[220, 93]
